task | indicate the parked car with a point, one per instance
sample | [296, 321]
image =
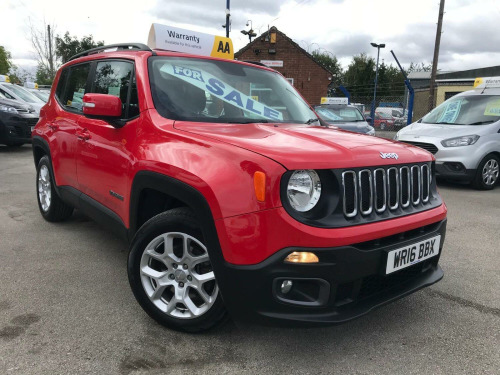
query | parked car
[384, 121]
[346, 117]
[17, 120]
[15, 92]
[43, 95]
[463, 133]
[243, 206]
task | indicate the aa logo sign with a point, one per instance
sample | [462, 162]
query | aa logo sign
[223, 47]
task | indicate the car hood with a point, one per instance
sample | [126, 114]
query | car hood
[308, 147]
[416, 130]
[16, 104]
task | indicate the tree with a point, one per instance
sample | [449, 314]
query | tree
[419, 67]
[43, 42]
[360, 75]
[68, 45]
[5, 61]
[43, 76]
[330, 62]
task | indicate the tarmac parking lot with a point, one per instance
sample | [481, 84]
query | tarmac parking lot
[66, 306]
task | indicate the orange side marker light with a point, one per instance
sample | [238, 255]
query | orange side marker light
[259, 183]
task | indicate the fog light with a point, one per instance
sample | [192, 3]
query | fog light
[286, 286]
[302, 257]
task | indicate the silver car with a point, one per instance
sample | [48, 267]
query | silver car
[463, 133]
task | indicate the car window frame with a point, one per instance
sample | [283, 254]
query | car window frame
[129, 91]
[63, 94]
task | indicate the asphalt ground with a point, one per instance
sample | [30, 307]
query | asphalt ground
[66, 306]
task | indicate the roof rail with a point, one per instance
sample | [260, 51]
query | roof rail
[255, 63]
[119, 46]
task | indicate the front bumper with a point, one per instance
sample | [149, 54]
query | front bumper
[348, 282]
[16, 128]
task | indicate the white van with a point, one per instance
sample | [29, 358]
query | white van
[463, 133]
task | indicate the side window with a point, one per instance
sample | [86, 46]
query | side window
[7, 95]
[75, 89]
[61, 84]
[116, 78]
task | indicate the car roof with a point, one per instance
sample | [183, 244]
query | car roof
[133, 53]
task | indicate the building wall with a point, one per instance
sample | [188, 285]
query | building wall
[441, 90]
[420, 104]
[310, 79]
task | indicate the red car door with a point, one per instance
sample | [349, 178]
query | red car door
[104, 151]
[62, 128]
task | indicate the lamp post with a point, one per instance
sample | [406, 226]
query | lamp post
[227, 26]
[251, 34]
[378, 47]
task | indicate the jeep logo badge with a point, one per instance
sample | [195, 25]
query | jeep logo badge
[389, 155]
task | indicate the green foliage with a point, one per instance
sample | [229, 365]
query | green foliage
[5, 61]
[330, 62]
[360, 74]
[43, 76]
[68, 46]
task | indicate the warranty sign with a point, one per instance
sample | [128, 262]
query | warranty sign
[188, 41]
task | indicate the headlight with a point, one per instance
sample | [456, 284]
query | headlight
[7, 108]
[466, 140]
[304, 190]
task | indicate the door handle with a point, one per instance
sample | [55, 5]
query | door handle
[53, 126]
[83, 135]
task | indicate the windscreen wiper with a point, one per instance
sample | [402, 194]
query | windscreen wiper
[482, 122]
[311, 120]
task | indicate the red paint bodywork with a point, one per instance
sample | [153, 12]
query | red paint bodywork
[218, 160]
[103, 105]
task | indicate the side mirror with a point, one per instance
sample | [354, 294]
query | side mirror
[102, 105]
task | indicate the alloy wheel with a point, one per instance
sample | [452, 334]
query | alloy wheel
[490, 172]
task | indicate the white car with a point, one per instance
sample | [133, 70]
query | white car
[463, 133]
[15, 92]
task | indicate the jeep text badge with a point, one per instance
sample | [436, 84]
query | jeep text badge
[389, 155]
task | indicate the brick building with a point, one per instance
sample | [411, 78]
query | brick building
[278, 51]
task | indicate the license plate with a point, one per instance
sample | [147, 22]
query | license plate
[412, 254]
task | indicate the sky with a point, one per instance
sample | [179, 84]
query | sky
[345, 28]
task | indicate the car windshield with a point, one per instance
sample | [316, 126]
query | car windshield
[221, 91]
[466, 110]
[25, 95]
[339, 114]
[41, 95]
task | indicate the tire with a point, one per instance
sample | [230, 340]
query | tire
[165, 279]
[382, 126]
[51, 206]
[487, 174]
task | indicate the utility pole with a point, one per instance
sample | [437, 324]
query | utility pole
[372, 112]
[436, 55]
[51, 60]
[228, 14]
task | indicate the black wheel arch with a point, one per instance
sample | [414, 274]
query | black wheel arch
[188, 196]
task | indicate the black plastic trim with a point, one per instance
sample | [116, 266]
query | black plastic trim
[118, 46]
[328, 213]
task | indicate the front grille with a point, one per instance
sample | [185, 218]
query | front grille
[385, 189]
[426, 146]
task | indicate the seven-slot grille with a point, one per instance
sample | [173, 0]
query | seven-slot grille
[366, 191]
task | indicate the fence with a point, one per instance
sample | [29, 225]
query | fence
[391, 105]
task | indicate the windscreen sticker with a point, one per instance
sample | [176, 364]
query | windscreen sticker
[328, 114]
[451, 112]
[221, 90]
[493, 108]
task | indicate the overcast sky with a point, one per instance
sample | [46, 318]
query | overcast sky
[344, 27]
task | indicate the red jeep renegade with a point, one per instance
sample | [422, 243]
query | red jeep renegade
[235, 198]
